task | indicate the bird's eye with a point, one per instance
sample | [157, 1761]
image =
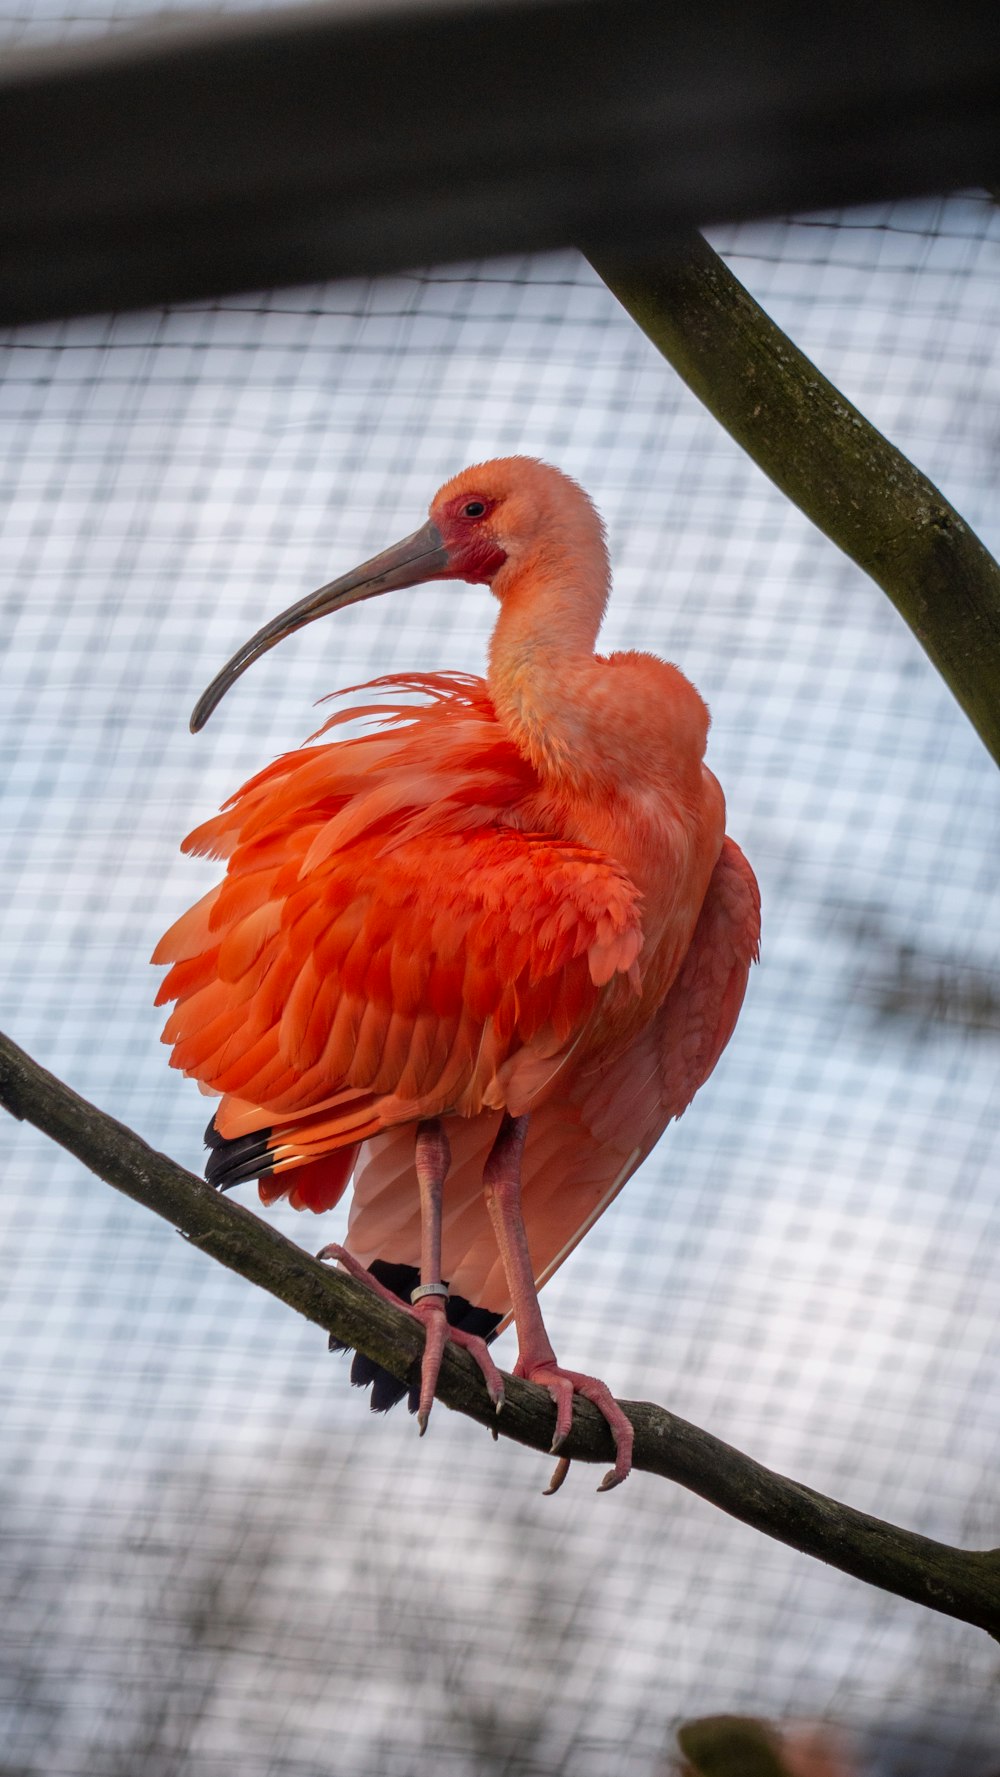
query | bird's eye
[474, 509]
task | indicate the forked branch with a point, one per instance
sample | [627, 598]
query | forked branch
[958, 1582]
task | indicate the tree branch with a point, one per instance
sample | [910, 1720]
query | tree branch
[856, 486]
[731, 1746]
[959, 1583]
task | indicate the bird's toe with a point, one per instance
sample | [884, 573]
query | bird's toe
[562, 1386]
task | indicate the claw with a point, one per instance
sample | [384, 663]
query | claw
[479, 1351]
[562, 1385]
[559, 1474]
[611, 1479]
[430, 1312]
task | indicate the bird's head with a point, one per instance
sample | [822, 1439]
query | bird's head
[485, 525]
[498, 518]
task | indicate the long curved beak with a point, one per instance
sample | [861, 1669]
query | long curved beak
[419, 557]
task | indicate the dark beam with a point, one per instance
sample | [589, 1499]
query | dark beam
[169, 163]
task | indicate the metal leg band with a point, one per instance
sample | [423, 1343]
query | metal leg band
[428, 1289]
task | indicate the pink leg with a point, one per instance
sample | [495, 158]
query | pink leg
[536, 1359]
[432, 1159]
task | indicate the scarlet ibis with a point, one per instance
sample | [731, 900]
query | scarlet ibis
[478, 958]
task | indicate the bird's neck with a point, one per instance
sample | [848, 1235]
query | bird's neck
[541, 663]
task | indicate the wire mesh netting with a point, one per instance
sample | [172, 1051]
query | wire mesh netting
[214, 1560]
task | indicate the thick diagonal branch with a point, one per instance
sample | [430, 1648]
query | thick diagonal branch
[960, 1583]
[856, 486]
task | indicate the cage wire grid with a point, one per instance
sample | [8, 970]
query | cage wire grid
[214, 1559]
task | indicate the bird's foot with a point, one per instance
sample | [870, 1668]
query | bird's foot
[562, 1386]
[431, 1311]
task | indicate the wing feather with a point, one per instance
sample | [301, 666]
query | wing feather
[585, 1142]
[386, 931]
[388, 944]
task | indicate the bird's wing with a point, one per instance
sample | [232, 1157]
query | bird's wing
[699, 1014]
[382, 950]
[587, 1139]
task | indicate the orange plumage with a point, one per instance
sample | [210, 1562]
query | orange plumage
[510, 907]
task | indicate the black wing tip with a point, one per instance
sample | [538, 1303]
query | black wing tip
[239, 1160]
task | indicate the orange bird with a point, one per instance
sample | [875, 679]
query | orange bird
[478, 958]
